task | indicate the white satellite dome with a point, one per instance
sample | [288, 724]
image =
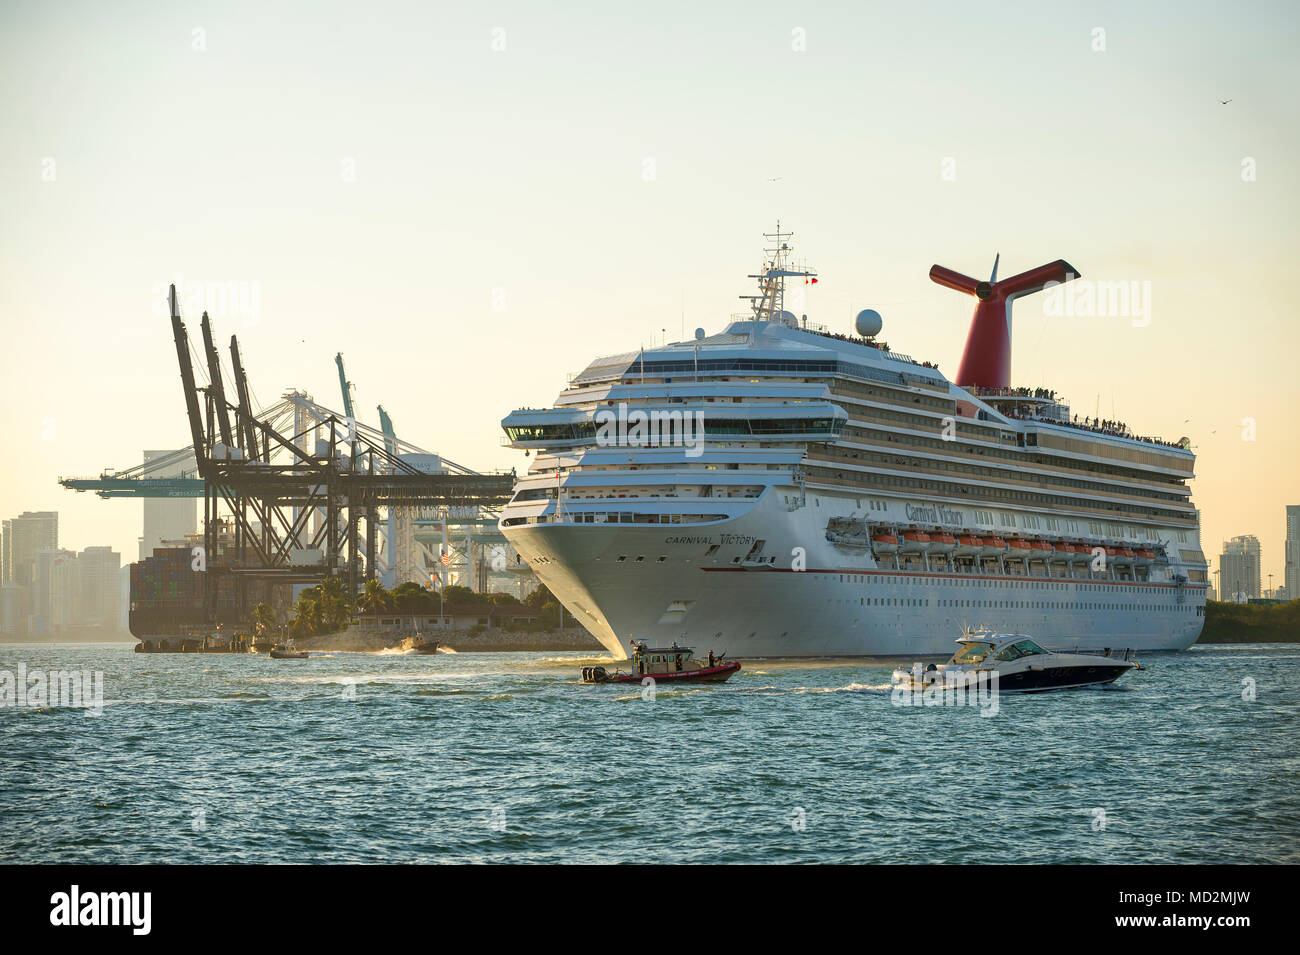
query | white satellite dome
[788, 318]
[868, 323]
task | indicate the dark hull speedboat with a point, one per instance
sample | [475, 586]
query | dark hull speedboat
[1013, 663]
[288, 653]
[715, 674]
[1063, 677]
[665, 665]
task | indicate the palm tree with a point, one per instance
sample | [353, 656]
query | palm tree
[262, 618]
[306, 616]
[316, 616]
[375, 598]
[410, 597]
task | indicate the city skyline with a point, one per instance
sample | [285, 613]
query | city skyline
[47, 589]
[467, 219]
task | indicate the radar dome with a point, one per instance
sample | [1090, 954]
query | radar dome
[699, 334]
[788, 318]
[868, 323]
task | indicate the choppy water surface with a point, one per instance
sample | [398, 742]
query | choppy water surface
[506, 757]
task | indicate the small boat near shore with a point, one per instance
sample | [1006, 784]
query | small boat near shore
[287, 651]
[418, 643]
[672, 664]
[1017, 663]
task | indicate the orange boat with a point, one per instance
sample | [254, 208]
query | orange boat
[942, 543]
[915, 542]
[884, 543]
[994, 546]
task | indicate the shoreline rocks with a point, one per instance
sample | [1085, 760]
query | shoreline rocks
[489, 640]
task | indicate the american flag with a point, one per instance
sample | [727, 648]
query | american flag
[446, 559]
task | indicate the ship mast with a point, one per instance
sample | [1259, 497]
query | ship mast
[769, 304]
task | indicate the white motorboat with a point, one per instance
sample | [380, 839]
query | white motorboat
[1021, 666]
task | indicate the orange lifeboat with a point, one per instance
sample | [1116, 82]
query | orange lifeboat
[1040, 549]
[994, 547]
[1073, 553]
[968, 545]
[914, 542]
[1144, 556]
[883, 542]
[941, 542]
[1019, 548]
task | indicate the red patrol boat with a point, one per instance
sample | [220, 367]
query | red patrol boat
[665, 665]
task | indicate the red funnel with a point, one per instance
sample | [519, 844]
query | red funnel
[986, 361]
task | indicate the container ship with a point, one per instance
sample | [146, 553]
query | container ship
[777, 489]
[167, 612]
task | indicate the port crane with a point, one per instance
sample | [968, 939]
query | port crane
[346, 386]
[266, 473]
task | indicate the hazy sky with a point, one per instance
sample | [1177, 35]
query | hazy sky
[472, 200]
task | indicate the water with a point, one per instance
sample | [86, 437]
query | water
[506, 758]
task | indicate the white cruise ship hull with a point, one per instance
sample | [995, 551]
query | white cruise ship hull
[661, 583]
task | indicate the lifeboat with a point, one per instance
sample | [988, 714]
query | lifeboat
[1144, 556]
[1084, 549]
[993, 547]
[968, 546]
[914, 542]
[883, 542]
[1072, 553]
[1018, 548]
[1123, 555]
[1040, 549]
[941, 542]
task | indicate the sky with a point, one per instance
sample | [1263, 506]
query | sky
[472, 201]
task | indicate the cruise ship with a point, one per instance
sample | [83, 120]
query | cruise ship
[780, 490]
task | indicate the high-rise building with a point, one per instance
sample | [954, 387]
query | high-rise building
[1239, 568]
[170, 518]
[55, 593]
[1291, 572]
[13, 608]
[99, 577]
[24, 536]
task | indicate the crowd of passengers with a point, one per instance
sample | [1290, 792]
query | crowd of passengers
[1116, 429]
[858, 340]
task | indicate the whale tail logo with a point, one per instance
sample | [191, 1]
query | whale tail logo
[986, 360]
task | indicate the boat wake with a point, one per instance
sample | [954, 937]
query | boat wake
[806, 690]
